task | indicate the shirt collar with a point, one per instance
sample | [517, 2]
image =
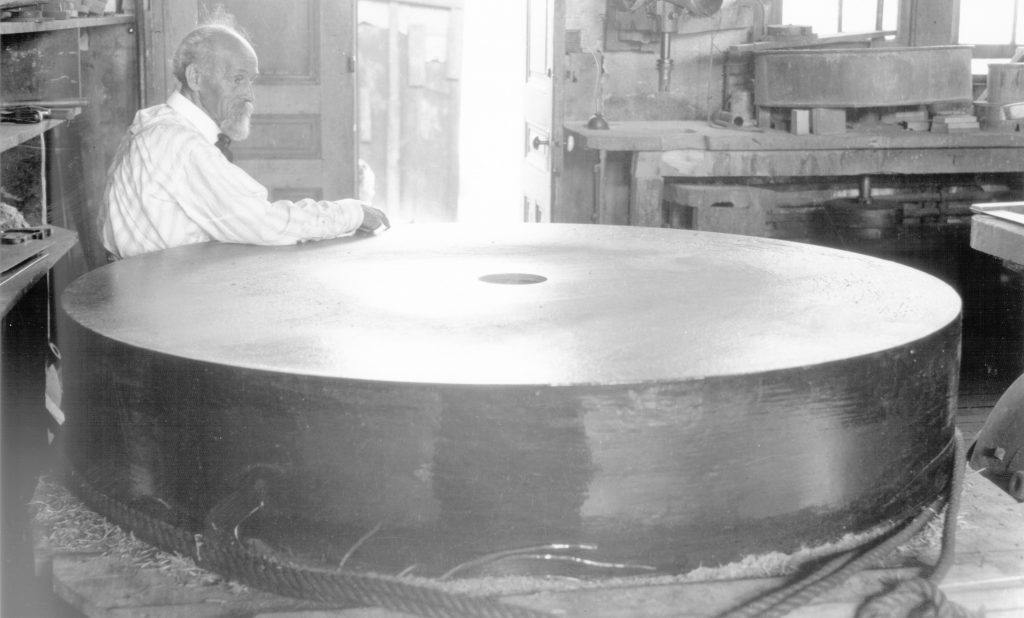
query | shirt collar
[196, 116]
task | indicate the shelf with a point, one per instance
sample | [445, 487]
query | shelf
[19, 27]
[41, 256]
[13, 134]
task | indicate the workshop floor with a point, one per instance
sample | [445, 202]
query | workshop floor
[37, 600]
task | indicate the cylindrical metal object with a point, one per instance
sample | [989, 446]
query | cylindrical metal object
[865, 189]
[700, 8]
[443, 392]
[1004, 92]
[727, 119]
[665, 63]
[860, 220]
[1005, 83]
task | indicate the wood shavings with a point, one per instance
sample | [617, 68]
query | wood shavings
[64, 524]
[70, 526]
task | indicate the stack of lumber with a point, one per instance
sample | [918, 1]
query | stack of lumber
[954, 123]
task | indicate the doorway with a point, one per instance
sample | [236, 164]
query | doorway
[440, 108]
[434, 108]
[494, 65]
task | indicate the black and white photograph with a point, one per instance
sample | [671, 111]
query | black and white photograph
[512, 308]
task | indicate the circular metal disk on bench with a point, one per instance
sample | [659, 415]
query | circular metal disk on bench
[588, 399]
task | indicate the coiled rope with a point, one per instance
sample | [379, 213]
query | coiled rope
[220, 552]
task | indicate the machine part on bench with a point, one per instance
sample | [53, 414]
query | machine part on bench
[999, 446]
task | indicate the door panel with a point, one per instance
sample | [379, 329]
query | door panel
[284, 136]
[542, 133]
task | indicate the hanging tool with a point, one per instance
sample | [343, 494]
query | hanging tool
[662, 19]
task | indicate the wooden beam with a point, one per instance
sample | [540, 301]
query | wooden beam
[849, 37]
[165, 23]
[19, 27]
[453, 57]
[1002, 239]
[928, 23]
[394, 128]
[770, 163]
[645, 192]
[416, 56]
[431, 4]
[698, 135]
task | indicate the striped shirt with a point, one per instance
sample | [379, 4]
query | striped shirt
[169, 185]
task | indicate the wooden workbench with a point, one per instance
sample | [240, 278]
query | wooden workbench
[660, 150]
[998, 237]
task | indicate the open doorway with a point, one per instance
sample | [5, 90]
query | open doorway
[440, 108]
[435, 107]
[494, 66]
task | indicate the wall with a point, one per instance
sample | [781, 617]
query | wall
[629, 90]
[97, 63]
[110, 78]
[165, 24]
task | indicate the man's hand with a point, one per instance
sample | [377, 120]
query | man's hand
[374, 220]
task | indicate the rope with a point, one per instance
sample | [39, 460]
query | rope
[222, 553]
[948, 552]
[914, 597]
[840, 568]
[922, 597]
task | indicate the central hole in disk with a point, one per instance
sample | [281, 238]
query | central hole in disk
[513, 278]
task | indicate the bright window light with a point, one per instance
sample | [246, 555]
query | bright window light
[857, 15]
[987, 22]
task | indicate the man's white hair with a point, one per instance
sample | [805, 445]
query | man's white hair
[200, 47]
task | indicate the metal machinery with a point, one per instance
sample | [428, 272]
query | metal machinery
[638, 20]
[452, 399]
[999, 446]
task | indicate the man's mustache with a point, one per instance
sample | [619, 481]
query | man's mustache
[246, 108]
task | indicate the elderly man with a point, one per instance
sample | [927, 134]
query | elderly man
[172, 181]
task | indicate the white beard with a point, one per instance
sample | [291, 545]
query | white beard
[237, 128]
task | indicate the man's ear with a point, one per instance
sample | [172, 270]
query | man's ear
[192, 77]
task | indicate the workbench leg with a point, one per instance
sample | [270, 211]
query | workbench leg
[645, 190]
[596, 215]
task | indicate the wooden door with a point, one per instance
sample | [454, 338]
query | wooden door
[303, 140]
[542, 143]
